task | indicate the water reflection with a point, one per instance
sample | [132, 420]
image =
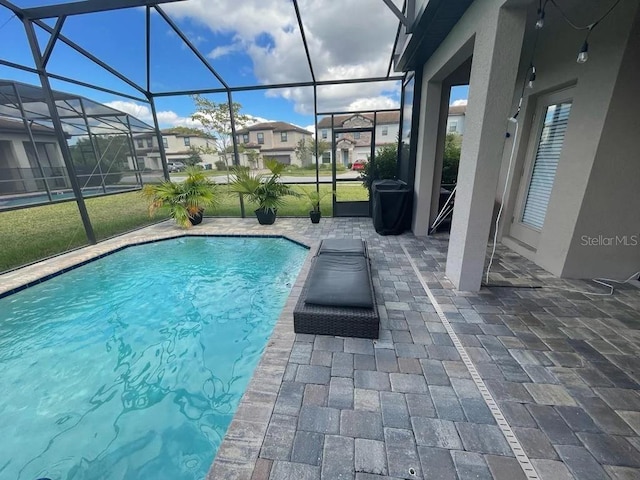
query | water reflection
[130, 388]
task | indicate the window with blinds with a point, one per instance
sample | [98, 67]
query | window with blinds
[546, 164]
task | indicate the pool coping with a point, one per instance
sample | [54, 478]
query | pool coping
[237, 455]
[34, 273]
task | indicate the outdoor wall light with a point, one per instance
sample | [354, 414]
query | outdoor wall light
[540, 21]
[583, 56]
[532, 77]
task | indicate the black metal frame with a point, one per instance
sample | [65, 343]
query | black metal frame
[33, 16]
[350, 208]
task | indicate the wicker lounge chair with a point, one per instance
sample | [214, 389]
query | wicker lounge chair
[338, 297]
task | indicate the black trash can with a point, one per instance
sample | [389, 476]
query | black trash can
[391, 206]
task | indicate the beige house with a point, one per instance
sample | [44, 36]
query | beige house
[178, 146]
[277, 140]
[566, 177]
[353, 146]
[455, 120]
[356, 146]
[19, 169]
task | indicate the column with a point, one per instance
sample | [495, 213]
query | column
[426, 155]
[496, 55]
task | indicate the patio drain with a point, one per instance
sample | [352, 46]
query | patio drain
[517, 449]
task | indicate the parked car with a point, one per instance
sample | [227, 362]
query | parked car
[358, 165]
[176, 166]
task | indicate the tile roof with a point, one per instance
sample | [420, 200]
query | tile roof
[457, 109]
[16, 125]
[381, 118]
[275, 126]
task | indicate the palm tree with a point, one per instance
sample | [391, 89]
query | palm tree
[184, 201]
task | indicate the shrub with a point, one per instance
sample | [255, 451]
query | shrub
[384, 165]
[451, 158]
[221, 165]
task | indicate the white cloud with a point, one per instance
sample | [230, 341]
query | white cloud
[223, 50]
[141, 112]
[346, 40]
[253, 120]
[166, 118]
[460, 102]
[373, 103]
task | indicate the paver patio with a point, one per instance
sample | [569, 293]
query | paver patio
[563, 367]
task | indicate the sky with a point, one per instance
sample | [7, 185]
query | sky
[254, 42]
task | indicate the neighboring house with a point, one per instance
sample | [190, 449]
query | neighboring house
[455, 120]
[277, 140]
[178, 146]
[567, 177]
[354, 146]
[19, 169]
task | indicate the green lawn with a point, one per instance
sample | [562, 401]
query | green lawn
[325, 169]
[31, 234]
[208, 173]
[294, 207]
[35, 233]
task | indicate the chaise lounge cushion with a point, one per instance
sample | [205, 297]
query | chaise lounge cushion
[336, 246]
[340, 281]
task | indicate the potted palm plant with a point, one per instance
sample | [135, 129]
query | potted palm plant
[183, 201]
[264, 190]
[313, 198]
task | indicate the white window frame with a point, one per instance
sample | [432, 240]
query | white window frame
[527, 234]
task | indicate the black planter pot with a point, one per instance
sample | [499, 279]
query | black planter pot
[196, 219]
[265, 217]
[315, 216]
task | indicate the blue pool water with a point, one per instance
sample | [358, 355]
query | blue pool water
[132, 366]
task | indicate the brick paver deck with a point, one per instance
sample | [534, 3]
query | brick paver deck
[563, 367]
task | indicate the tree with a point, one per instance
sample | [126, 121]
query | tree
[194, 157]
[306, 150]
[216, 122]
[186, 131]
[112, 151]
[451, 160]
[253, 155]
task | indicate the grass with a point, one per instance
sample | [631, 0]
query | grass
[31, 234]
[208, 173]
[34, 233]
[325, 170]
[295, 207]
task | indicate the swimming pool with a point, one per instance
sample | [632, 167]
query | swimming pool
[132, 366]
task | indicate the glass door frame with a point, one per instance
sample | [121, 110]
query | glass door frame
[350, 208]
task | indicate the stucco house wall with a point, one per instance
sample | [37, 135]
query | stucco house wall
[273, 145]
[597, 170]
[596, 186]
[15, 165]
